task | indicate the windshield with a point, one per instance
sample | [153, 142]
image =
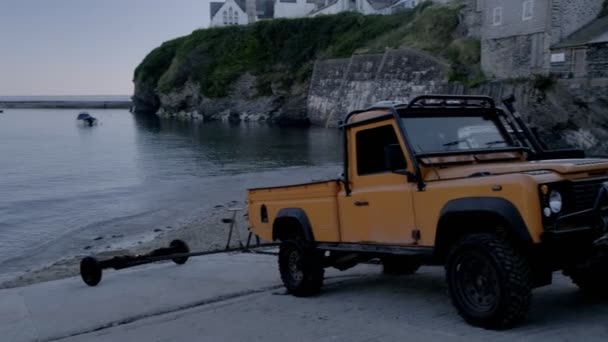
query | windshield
[446, 134]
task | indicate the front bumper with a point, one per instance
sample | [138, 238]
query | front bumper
[583, 226]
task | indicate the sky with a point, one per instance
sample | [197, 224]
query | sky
[86, 47]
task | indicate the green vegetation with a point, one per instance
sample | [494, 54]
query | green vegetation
[542, 82]
[281, 52]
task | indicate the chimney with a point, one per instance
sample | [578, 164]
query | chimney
[250, 7]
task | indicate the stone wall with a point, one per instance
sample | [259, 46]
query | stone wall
[339, 86]
[597, 60]
[513, 22]
[518, 47]
[574, 15]
[570, 113]
[515, 56]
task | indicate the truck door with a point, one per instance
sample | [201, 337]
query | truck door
[379, 209]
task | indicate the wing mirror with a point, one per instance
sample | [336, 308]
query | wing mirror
[395, 160]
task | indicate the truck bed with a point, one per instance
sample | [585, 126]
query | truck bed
[318, 200]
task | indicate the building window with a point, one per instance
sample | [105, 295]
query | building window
[497, 16]
[236, 17]
[230, 20]
[528, 12]
[225, 18]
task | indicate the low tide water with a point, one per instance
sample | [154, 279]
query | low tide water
[62, 184]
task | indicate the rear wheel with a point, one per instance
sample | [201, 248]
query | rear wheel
[301, 268]
[399, 265]
[489, 281]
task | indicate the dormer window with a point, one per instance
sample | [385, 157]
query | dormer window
[497, 16]
[528, 11]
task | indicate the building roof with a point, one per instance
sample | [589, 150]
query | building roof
[215, 7]
[381, 4]
[594, 32]
[320, 8]
[242, 5]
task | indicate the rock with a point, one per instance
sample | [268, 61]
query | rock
[158, 230]
[117, 236]
[88, 247]
[98, 238]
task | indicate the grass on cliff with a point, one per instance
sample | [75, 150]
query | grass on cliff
[282, 51]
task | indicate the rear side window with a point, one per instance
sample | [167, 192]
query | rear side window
[370, 149]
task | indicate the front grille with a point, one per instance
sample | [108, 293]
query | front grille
[585, 192]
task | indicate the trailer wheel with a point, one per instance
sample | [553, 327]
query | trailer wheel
[301, 268]
[181, 248]
[90, 271]
[490, 282]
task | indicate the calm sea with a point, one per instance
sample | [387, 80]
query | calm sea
[63, 184]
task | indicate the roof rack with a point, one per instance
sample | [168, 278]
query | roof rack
[452, 101]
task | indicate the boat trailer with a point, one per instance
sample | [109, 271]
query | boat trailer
[91, 269]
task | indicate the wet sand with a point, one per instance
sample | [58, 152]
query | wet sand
[206, 233]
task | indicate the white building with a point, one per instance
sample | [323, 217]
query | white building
[231, 12]
[366, 7]
[242, 12]
[295, 8]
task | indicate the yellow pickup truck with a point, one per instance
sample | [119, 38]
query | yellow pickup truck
[452, 181]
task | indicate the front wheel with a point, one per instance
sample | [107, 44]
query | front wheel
[489, 281]
[301, 268]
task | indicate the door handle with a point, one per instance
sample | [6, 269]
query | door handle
[361, 203]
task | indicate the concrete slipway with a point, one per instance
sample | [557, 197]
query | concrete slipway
[239, 298]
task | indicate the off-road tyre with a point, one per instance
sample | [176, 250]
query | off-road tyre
[301, 268]
[490, 283]
[399, 265]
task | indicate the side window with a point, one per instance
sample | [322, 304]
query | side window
[370, 149]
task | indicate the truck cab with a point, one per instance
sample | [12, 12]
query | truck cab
[451, 181]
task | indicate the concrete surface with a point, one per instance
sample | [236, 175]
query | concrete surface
[239, 298]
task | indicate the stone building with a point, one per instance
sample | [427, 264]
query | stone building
[517, 35]
[584, 53]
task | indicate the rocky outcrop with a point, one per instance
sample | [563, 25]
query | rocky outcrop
[243, 103]
[566, 113]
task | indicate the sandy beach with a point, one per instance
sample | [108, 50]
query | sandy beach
[206, 233]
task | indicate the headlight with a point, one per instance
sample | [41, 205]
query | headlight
[555, 202]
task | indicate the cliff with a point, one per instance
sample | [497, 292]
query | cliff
[263, 71]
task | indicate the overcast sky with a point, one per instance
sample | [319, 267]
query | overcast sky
[86, 47]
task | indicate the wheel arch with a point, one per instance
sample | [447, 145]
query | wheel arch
[488, 214]
[292, 222]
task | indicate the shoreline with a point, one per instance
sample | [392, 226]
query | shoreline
[203, 234]
[66, 104]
